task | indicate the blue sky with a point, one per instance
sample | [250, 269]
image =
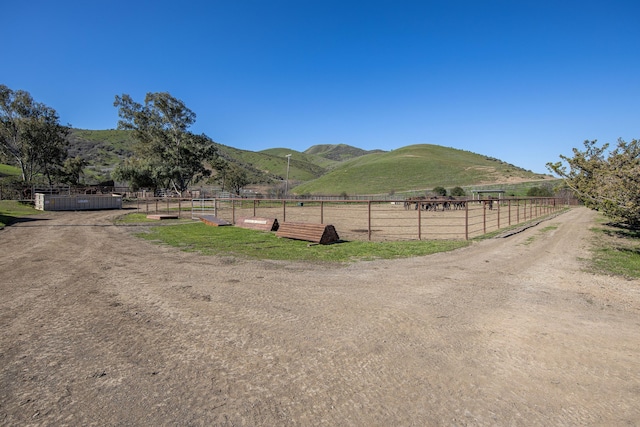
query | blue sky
[522, 81]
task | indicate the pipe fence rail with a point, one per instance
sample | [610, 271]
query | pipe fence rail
[373, 220]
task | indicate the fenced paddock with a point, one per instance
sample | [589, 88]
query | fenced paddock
[374, 220]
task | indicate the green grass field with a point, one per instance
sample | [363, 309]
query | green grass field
[198, 237]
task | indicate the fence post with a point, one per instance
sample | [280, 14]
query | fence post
[498, 214]
[419, 220]
[509, 206]
[284, 210]
[518, 212]
[233, 210]
[369, 219]
[530, 209]
[484, 217]
[322, 212]
[466, 220]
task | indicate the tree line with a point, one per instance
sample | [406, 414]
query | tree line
[167, 154]
[605, 179]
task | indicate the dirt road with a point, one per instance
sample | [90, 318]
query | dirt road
[101, 328]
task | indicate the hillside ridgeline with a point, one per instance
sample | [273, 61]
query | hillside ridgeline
[325, 168]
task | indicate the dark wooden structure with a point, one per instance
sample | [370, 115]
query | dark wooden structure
[317, 233]
[257, 223]
[213, 220]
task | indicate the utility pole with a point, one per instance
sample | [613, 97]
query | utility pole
[286, 184]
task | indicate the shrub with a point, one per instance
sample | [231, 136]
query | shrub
[539, 192]
[458, 192]
[440, 191]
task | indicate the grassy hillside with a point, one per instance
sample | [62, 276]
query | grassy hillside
[103, 149]
[322, 163]
[273, 163]
[321, 169]
[413, 167]
[6, 171]
[339, 152]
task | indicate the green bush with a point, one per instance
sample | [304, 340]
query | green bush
[458, 192]
[440, 191]
[539, 192]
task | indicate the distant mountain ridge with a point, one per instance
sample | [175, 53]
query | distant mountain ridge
[338, 152]
[325, 168]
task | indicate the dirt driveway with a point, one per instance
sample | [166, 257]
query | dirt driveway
[101, 328]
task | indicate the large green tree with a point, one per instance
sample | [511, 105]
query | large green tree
[138, 173]
[31, 135]
[606, 180]
[73, 169]
[172, 156]
[236, 178]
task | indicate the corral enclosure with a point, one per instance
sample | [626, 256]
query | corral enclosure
[374, 220]
[78, 202]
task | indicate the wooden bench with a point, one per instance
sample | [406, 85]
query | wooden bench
[317, 233]
[256, 223]
[213, 220]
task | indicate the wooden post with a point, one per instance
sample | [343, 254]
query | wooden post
[484, 217]
[419, 220]
[531, 210]
[466, 220]
[369, 218]
[322, 212]
[284, 210]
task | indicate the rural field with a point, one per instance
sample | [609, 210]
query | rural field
[371, 220]
[102, 328]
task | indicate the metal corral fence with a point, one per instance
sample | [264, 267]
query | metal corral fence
[372, 220]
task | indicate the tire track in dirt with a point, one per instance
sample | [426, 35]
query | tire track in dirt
[103, 328]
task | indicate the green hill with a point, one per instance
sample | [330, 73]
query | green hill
[272, 163]
[323, 163]
[339, 152]
[102, 149]
[322, 169]
[414, 167]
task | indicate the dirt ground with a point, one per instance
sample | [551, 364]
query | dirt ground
[102, 328]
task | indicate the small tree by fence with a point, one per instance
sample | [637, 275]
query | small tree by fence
[374, 220]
